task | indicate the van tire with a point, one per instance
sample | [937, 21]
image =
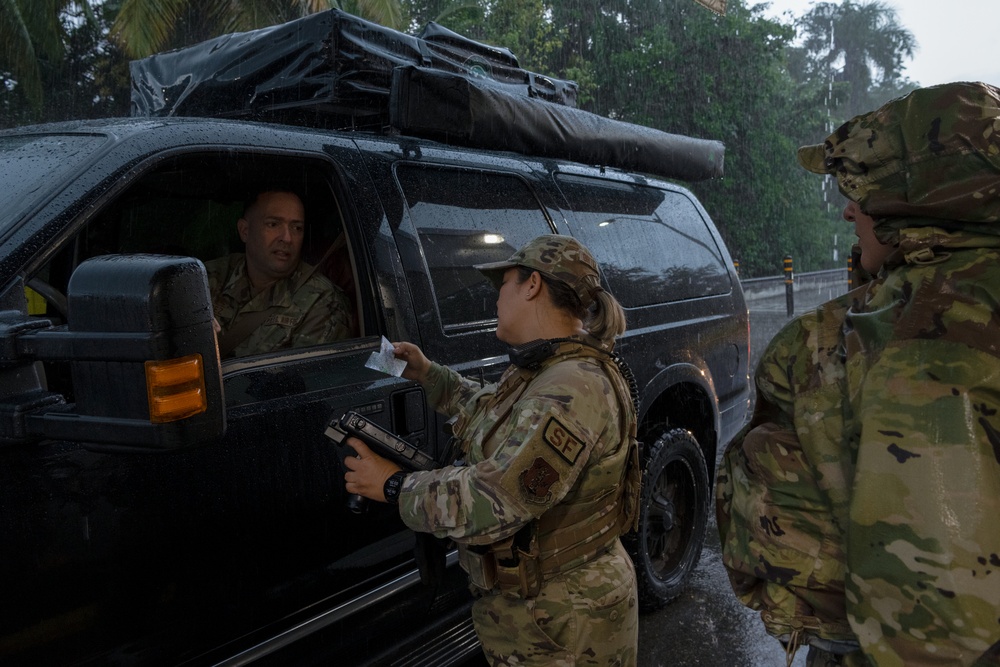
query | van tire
[673, 515]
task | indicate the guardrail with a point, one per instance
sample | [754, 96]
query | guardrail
[811, 288]
[826, 276]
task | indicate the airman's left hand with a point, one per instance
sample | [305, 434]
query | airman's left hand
[367, 471]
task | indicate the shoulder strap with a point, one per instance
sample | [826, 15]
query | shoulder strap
[338, 242]
[627, 394]
[244, 326]
[610, 361]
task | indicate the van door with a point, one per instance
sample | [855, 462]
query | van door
[202, 553]
[666, 263]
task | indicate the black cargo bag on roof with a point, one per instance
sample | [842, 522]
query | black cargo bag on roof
[330, 63]
[459, 110]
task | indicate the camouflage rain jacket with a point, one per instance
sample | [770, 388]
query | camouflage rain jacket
[862, 503]
[316, 312]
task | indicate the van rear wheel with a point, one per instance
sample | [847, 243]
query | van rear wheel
[673, 515]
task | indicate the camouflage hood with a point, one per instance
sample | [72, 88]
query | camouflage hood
[934, 153]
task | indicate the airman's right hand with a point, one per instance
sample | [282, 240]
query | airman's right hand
[417, 365]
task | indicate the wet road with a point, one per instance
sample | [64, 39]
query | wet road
[707, 625]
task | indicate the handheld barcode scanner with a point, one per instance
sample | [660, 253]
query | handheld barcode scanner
[381, 441]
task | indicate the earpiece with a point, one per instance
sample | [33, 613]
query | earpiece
[530, 355]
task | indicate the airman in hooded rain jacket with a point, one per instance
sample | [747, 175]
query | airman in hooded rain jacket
[861, 506]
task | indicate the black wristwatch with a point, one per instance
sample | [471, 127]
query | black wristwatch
[393, 486]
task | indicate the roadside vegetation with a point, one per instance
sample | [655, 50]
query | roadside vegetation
[763, 87]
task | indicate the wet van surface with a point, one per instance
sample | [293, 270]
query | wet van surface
[160, 505]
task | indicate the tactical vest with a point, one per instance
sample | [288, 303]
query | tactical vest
[578, 529]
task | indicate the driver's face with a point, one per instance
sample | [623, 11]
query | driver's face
[273, 229]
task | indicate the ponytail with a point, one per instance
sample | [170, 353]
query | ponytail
[604, 319]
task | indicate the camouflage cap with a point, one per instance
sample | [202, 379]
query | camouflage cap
[934, 153]
[561, 258]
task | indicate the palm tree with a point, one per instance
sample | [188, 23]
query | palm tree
[862, 43]
[144, 27]
[34, 35]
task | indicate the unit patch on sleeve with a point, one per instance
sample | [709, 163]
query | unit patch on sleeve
[560, 439]
[537, 479]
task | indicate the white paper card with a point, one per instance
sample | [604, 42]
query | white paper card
[384, 361]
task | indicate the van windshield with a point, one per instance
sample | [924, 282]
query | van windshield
[31, 166]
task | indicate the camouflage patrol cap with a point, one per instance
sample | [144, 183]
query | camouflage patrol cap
[934, 153]
[561, 258]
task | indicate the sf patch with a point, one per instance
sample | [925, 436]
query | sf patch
[560, 439]
[537, 480]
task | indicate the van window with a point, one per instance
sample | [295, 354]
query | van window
[466, 217]
[32, 166]
[181, 206]
[653, 244]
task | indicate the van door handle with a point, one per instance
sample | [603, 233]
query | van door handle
[408, 415]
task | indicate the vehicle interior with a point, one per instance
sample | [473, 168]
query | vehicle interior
[189, 205]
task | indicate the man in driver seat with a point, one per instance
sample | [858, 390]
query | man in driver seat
[268, 299]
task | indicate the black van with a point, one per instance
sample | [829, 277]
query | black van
[158, 506]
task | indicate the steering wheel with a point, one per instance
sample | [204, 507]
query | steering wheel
[52, 296]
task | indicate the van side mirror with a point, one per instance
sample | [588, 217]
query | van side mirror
[143, 355]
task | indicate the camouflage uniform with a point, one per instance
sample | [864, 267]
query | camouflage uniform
[549, 484]
[861, 503]
[317, 312]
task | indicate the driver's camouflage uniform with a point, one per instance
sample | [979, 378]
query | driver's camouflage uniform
[303, 309]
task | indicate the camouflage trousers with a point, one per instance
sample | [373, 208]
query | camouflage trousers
[587, 616]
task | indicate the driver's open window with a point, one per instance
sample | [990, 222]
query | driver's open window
[189, 205]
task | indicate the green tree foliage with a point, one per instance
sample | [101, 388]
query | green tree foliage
[523, 26]
[679, 68]
[144, 27]
[848, 60]
[766, 206]
[668, 64]
[860, 47]
[82, 74]
[34, 35]
[462, 16]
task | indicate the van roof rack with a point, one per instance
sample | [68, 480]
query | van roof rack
[335, 70]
